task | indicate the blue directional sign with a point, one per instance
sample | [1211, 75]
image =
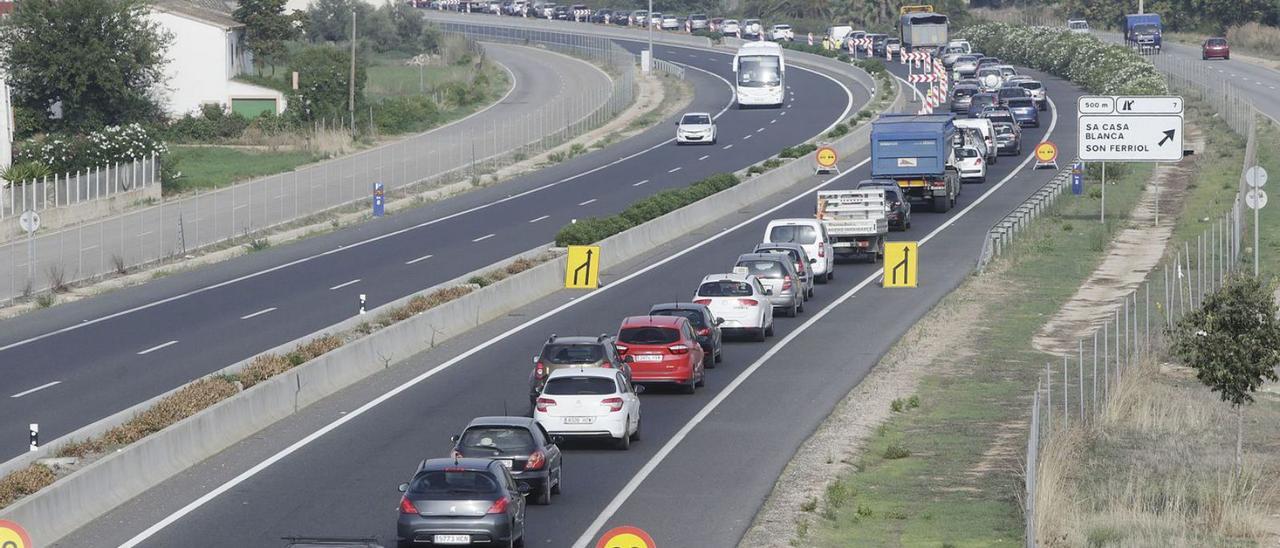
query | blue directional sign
[1077, 178]
[379, 200]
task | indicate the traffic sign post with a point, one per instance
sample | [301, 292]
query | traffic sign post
[1077, 178]
[379, 200]
[1256, 198]
[901, 264]
[30, 223]
[582, 270]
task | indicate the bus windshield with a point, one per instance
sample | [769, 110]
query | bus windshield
[759, 71]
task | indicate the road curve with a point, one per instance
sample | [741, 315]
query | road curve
[708, 487]
[113, 351]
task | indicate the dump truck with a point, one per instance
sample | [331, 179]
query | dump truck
[917, 151]
[1142, 30]
[923, 30]
[856, 221]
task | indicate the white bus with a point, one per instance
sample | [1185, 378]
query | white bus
[761, 74]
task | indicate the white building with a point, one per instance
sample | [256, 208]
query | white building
[206, 53]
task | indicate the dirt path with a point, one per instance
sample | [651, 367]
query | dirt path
[1134, 252]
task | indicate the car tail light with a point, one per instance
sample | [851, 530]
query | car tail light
[544, 403]
[615, 404]
[979, 160]
[702, 301]
[540, 371]
[938, 184]
[622, 348]
[822, 251]
[407, 507]
[678, 349]
[786, 282]
[498, 507]
[704, 332]
[748, 302]
[536, 460]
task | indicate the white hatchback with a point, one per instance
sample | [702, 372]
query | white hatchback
[590, 402]
[730, 26]
[811, 234]
[740, 300]
[696, 127]
[971, 165]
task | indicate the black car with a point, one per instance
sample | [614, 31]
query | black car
[522, 445]
[899, 206]
[705, 325]
[877, 44]
[599, 15]
[1008, 139]
[1006, 93]
[565, 352]
[562, 13]
[980, 101]
[461, 501]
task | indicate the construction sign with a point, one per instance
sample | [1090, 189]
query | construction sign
[626, 537]
[13, 535]
[583, 268]
[901, 264]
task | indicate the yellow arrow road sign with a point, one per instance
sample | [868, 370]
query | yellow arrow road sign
[901, 263]
[583, 267]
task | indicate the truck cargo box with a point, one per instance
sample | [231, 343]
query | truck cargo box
[911, 146]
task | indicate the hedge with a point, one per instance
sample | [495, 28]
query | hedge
[594, 229]
[1100, 68]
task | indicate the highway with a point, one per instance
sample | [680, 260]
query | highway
[705, 462]
[72, 364]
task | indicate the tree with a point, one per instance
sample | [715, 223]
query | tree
[330, 20]
[323, 74]
[266, 29]
[1232, 343]
[98, 59]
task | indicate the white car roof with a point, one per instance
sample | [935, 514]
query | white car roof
[730, 276]
[602, 372]
[792, 222]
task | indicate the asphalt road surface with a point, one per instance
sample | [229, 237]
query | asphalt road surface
[705, 462]
[70, 365]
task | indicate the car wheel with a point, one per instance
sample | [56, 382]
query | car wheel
[624, 443]
[800, 307]
[635, 436]
[768, 331]
[719, 357]
[810, 292]
[762, 334]
[518, 543]
[555, 489]
[544, 495]
[1227, 58]
[690, 387]
[831, 273]
[702, 378]
[791, 310]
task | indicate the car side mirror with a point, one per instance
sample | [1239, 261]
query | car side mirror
[719, 321]
[454, 438]
[768, 291]
[638, 388]
[813, 261]
[403, 487]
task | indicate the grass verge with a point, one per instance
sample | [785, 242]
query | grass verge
[205, 392]
[1268, 217]
[205, 167]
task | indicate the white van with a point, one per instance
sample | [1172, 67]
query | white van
[810, 234]
[988, 130]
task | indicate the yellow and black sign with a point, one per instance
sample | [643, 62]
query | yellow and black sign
[901, 263]
[626, 537]
[583, 269]
[13, 535]
[826, 157]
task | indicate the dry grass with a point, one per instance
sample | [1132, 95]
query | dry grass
[24, 482]
[1157, 470]
[1255, 38]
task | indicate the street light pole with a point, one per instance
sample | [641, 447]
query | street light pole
[648, 21]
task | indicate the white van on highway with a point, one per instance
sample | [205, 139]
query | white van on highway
[811, 234]
[988, 131]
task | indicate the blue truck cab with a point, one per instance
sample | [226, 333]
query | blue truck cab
[1142, 30]
[918, 152]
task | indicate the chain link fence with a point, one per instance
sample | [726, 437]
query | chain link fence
[176, 227]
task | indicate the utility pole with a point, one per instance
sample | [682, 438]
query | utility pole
[351, 83]
[648, 20]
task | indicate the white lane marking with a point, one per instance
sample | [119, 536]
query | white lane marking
[392, 234]
[344, 284]
[241, 206]
[759, 130]
[89, 248]
[482, 238]
[425, 257]
[673, 170]
[704, 157]
[283, 453]
[728, 146]
[640, 183]
[157, 347]
[258, 313]
[586, 202]
[747, 137]
[773, 121]
[534, 220]
[630, 488]
[36, 389]
[783, 113]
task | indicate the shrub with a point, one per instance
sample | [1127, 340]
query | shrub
[598, 228]
[24, 482]
[25, 172]
[897, 405]
[478, 280]
[798, 151]
[716, 37]
[809, 505]
[895, 450]
[213, 123]
[913, 402]
[771, 163]
[405, 113]
[839, 131]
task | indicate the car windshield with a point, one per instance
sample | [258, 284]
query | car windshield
[759, 71]
[572, 353]
[1021, 103]
[966, 153]
[724, 288]
[501, 439]
[648, 335]
[1004, 129]
[763, 269]
[1144, 28]
[793, 234]
[987, 71]
[893, 41]
[580, 386]
[983, 98]
[782, 27]
[966, 59]
[695, 120]
[694, 316]
[452, 485]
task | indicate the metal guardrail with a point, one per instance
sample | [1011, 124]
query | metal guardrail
[1003, 232]
[668, 68]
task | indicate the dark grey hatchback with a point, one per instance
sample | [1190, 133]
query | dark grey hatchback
[705, 324]
[461, 502]
[520, 444]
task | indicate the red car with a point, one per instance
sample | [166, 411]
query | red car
[662, 349]
[1215, 47]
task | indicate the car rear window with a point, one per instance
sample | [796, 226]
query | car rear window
[1012, 92]
[1021, 102]
[724, 288]
[793, 234]
[648, 335]
[1030, 85]
[1004, 129]
[572, 353]
[964, 92]
[580, 386]
[459, 485]
[700, 119]
[763, 269]
[967, 153]
[504, 439]
[983, 98]
[694, 316]
[793, 254]
[1216, 42]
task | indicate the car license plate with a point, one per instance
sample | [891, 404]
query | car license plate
[505, 462]
[451, 539]
[648, 357]
[579, 420]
